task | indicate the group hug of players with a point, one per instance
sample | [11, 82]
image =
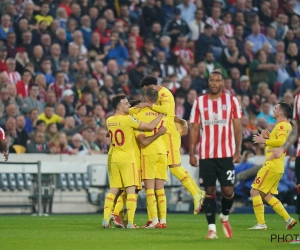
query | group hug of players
[145, 142]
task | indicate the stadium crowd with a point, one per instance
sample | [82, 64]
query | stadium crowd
[61, 62]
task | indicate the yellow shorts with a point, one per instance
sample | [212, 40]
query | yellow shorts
[123, 174]
[266, 181]
[154, 167]
[138, 162]
[109, 163]
[173, 143]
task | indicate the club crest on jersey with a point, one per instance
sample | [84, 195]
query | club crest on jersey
[134, 119]
[224, 107]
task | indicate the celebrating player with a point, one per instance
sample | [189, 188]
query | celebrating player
[123, 172]
[3, 143]
[166, 105]
[294, 135]
[268, 177]
[154, 164]
[218, 115]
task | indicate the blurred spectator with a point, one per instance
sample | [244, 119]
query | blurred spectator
[48, 116]
[5, 26]
[31, 120]
[38, 144]
[59, 144]
[77, 146]
[31, 101]
[265, 113]
[22, 136]
[197, 25]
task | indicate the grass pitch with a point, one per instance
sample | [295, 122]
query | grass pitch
[184, 232]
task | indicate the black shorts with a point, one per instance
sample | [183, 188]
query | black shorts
[297, 170]
[214, 169]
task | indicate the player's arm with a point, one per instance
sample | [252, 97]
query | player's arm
[145, 141]
[237, 127]
[183, 123]
[163, 108]
[150, 126]
[4, 147]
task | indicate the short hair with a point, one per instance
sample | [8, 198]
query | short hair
[148, 80]
[217, 72]
[39, 122]
[26, 71]
[33, 85]
[151, 94]
[48, 105]
[116, 100]
[134, 102]
[286, 108]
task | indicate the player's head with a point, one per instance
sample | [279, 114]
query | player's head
[120, 103]
[282, 109]
[134, 102]
[151, 95]
[148, 81]
[215, 82]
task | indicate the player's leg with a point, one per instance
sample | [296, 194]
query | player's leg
[226, 178]
[274, 202]
[297, 172]
[208, 178]
[172, 142]
[129, 176]
[149, 172]
[118, 214]
[160, 178]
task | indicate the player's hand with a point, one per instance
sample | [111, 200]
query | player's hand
[237, 157]
[258, 139]
[185, 129]
[276, 153]
[162, 131]
[193, 161]
[266, 134]
[5, 154]
[142, 105]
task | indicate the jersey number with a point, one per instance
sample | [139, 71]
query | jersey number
[230, 174]
[118, 131]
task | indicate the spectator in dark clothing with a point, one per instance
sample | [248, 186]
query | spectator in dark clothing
[191, 97]
[38, 144]
[22, 136]
[68, 102]
[150, 13]
[137, 74]
[205, 43]
[176, 27]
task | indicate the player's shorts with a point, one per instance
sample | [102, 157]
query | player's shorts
[221, 169]
[173, 143]
[123, 174]
[109, 164]
[138, 162]
[266, 181]
[154, 167]
[297, 170]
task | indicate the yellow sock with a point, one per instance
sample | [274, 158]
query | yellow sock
[162, 205]
[192, 180]
[149, 214]
[108, 205]
[131, 207]
[278, 208]
[120, 205]
[184, 179]
[259, 209]
[151, 203]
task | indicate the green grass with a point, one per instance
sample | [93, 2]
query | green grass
[184, 232]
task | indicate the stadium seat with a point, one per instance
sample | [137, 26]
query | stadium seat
[11, 181]
[27, 181]
[78, 181]
[85, 181]
[19, 149]
[70, 181]
[61, 182]
[3, 182]
[19, 181]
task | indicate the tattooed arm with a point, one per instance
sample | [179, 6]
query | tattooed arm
[277, 152]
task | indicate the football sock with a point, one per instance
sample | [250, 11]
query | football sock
[226, 204]
[108, 205]
[278, 208]
[192, 180]
[162, 205]
[131, 207]
[184, 179]
[298, 200]
[149, 214]
[151, 203]
[119, 207]
[259, 209]
[210, 208]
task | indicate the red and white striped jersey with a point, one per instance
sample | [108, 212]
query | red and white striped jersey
[296, 117]
[12, 77]
[2, 134]
[215, 119]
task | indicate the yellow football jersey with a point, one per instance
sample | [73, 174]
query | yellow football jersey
[166, 105]
[277, 138]
[158, 146]
[121, 131]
